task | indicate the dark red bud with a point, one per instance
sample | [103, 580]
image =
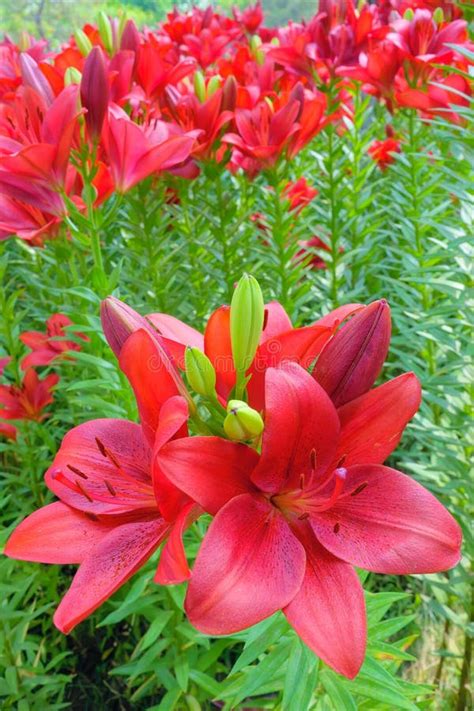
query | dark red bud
[119, 321]
[229, 94]
[130, 37]
[33, 77]
[95, 90]
[352, 360]
[297, 94]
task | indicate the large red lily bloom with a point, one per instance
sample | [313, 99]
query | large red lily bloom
[28, 400]
[113, 514]
[290, 524]
[48, 346]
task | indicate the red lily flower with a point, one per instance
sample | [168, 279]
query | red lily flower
[113, 512]
[309, 249]
[250, 17]
[48, 346]
[28, 400]
[299, 193]
[134, 153]
[26, 222]
[290, 523]
[382, 151]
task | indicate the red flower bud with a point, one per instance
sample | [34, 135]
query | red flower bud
[34, 78]
[352, 360]
[119, 321]
[130, 37]
[229, 94]
[95, 90]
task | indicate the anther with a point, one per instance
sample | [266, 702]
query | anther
[84, 492]
[77, 471]
[336, 528]
[110, 487]
[101, 447]
[313, 459]
[341, 461]
[359, 489]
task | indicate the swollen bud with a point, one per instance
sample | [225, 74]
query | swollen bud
[246, 324]
[130, 38]
[83, 42]
[229, 94]
[200, 372]
[33, 77]
[105, 31]
[438, 15]
[200, 86]
[408, 14]
[213, 85]
[242, 422]
[72, 76]
[95, 91]
[119, 321]
[352, 360]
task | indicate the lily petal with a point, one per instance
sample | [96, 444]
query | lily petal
[218, 347]
[328, 612]
[276, 321]
[372, 424]
[55, 533]
[173, 566]
[210, 470]
[388, 523]
[110, 564]
[249, 566]
[288, 441]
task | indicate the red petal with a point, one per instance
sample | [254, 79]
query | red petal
[328, 612]
[210, 470]
[218, 348]
[372, 425]
[393, 525]
[34, 339]
[38, 357]
[110, 564]
[173, 566]
[299, 418]
[249, 566]
[176, 330]
[55, 534]
[152, 376]
[337, 316]
[276, 321]
[80, 452]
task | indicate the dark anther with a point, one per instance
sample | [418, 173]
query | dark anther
[303, 517]
[84, 492]
[110, 487]
[341, 461]
[265, 319]
[359, 489]
[313, 459]
[101, 447]
[336, 528]
[77, 471]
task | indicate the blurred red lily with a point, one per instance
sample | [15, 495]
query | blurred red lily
[290, 523]
[48, 346]
[113, 514]
[382, 151]
[28, 400]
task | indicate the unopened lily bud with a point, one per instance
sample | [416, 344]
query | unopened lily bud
[119, 321]
[229, 94]
[24, 41]
[130, 37]
[408, 14]
[438, 15]
[242, 422]
[255, 48]
[246, 324]
[200, 372]
[33, 77]
[72, 76]
[213, 85]
[95, 91]
[83, 42]
[200, 86]
[350, 363]
[105, 31]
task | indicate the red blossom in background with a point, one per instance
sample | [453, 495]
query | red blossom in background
[299, 193]
[382, 151]
[28, 400]
[48, 346]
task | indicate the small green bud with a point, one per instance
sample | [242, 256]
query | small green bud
[246, 324]
[200, 372]
[438, 15]
[200, 86]
[242, 422]
[213, 85]
[105, 31]
[408, 14]
[123, 19]
[83, 42]
[72, 76]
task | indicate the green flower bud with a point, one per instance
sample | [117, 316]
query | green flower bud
[83, 42]
[242, 422]
[200, 372]
[246, 324]
[213, 85]
[72, 76]
[105, 31]
[408, 14]
[200, 86]
[438, 15]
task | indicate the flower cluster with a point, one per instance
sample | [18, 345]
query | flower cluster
[28, 399]
[115, 106]
[278, 433]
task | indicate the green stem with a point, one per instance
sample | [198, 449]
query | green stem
[333, 221]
